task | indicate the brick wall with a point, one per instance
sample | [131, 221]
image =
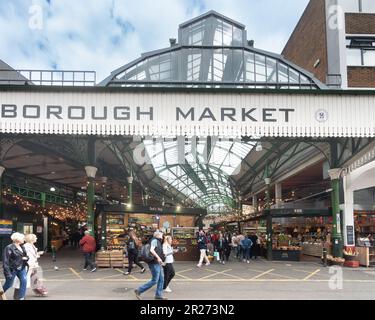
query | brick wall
[308, 42]
[361, 77]
[360, 23]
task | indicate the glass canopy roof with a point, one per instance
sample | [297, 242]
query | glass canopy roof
[199, 169]
[212, 51]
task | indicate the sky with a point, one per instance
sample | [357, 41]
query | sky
[103, 35]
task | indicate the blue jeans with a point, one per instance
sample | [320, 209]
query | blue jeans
[157, 279]
[246, 253]
[22, 276]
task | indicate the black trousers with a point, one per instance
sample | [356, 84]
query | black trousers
[88, 261]
[133, 258]
[169, 273]
[227, 253]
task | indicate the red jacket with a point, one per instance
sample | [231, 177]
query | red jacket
[88, 244]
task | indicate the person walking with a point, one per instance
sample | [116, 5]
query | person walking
[202, 245]
[156, 249]
[220, 247]
[246, 246]
[234, 244]
[254, 248]
[15, 264]
[33, 276]
[88, 245]
[132, 247]
[169, 272]
[228, 247]
[240, 237]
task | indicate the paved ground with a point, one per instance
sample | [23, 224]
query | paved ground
[235, 280]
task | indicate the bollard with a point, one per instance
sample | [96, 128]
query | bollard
[324, 257]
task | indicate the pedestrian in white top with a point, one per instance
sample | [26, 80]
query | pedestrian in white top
[169, 272]
[33, 277]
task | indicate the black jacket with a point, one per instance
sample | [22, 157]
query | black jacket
[202, 242]
[13, 259]
[132, 247]
[158, 250]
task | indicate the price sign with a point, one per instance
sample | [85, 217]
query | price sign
[350, 235]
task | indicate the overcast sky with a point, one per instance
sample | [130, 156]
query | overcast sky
[102, 35]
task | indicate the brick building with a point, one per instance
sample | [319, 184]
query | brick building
[335, 40]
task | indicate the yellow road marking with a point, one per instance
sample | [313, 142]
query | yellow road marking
[76, 273]
[211, 280]
[262, 274]
[274, 274]
[127, 274]
[311, 274]
[215, 273]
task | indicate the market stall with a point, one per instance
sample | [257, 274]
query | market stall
[115, 222]
[295, 232]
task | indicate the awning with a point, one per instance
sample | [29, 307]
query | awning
[173, 113]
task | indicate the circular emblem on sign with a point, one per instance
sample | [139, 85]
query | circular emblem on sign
[321, 115]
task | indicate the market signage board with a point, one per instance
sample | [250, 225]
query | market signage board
[186, 113]
[350, 235]
[6, 227]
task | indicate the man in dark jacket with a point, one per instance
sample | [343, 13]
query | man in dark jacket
[88, 245]
[254, 249]
[156, 268]
[202, 245]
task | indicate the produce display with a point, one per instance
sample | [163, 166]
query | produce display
[115, 232]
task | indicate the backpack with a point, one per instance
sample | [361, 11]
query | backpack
[145, 254]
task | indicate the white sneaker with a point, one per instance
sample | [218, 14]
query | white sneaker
[199, 265]
[244, 260]
[248, 261]
[167, 289]
[223, 262]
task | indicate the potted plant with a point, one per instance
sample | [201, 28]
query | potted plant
[283, 240]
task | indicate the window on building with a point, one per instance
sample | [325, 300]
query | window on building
[368, 6]
[360, 51]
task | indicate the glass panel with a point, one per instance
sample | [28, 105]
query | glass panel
[218, 36]
[237, 37]
[227, 34]
[271, 70]
[283, 73]
[293, 76]
[250, 67]
[368, 6]
[353, 57]
[350, 5]
[260, 68]
[219, 63]
[194, 59]
[369, 57]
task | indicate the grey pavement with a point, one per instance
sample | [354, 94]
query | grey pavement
[260, 279]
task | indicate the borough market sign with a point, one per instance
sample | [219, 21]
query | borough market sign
[191, 114]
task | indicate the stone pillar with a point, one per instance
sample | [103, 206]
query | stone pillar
[278, 196]
[91, 172]
[269, 218]
[348, 218]
[337, 247]
[130, 182]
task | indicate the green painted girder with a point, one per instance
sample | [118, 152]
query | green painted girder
[38, 195]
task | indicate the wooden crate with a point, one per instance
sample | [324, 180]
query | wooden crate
[103, 259]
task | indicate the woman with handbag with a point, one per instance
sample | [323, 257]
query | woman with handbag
[133, 246]
[15, 264]
[34, 275]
